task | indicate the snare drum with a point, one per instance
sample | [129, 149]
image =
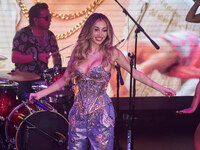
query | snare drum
[53, 74]
[33, 128]
[8, 92]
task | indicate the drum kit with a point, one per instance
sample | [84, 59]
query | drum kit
[28, 126]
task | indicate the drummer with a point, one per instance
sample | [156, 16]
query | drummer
[32, 45]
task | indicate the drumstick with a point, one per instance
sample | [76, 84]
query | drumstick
[61, 50]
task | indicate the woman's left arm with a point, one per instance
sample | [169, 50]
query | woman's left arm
[119, 57]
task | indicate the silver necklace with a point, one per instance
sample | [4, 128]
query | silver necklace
[91, 54]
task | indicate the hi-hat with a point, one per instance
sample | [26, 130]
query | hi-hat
[3, 57]
[18, 76]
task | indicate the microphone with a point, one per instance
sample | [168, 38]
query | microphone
[119, 43]
[155, 45]
[26, 95]
[120, 75]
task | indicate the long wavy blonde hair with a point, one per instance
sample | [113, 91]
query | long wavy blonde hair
[82, 47]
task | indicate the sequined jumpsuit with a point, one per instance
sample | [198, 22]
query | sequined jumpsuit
[92, 114]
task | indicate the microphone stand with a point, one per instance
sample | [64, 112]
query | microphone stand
[139, 28]
[132, 104]
[119, 79]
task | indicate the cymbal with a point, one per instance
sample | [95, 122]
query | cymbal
[18, 76]
[3, 57]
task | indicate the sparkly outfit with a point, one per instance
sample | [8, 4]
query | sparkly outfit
[92, 114]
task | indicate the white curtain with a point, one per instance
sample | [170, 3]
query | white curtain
[9, 17]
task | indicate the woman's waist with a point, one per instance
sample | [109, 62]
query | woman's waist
[90, 104]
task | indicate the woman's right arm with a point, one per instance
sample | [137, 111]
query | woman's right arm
[192, 16]
[56, 85]
[52, 88]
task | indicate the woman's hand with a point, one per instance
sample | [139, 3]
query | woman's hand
[33, 95]
[185, 111]
[167, 92]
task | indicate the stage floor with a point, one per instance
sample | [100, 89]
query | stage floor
[156, 125]
[159, 130]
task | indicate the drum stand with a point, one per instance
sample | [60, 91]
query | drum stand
[6, 144]
[11, 147]
[2, 143]
[3, 147]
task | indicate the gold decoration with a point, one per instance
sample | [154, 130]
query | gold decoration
[23, 8]
[90, 8]
[87, 12]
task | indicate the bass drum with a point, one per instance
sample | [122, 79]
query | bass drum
[29, 127]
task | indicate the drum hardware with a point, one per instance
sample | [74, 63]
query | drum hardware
[48, 76]
[60, 137]
[10, 142]
[2, 144]
[30, 109]
[49, 106]
[56, 74]
[2, 141]
[11, 146]
[53, 74]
